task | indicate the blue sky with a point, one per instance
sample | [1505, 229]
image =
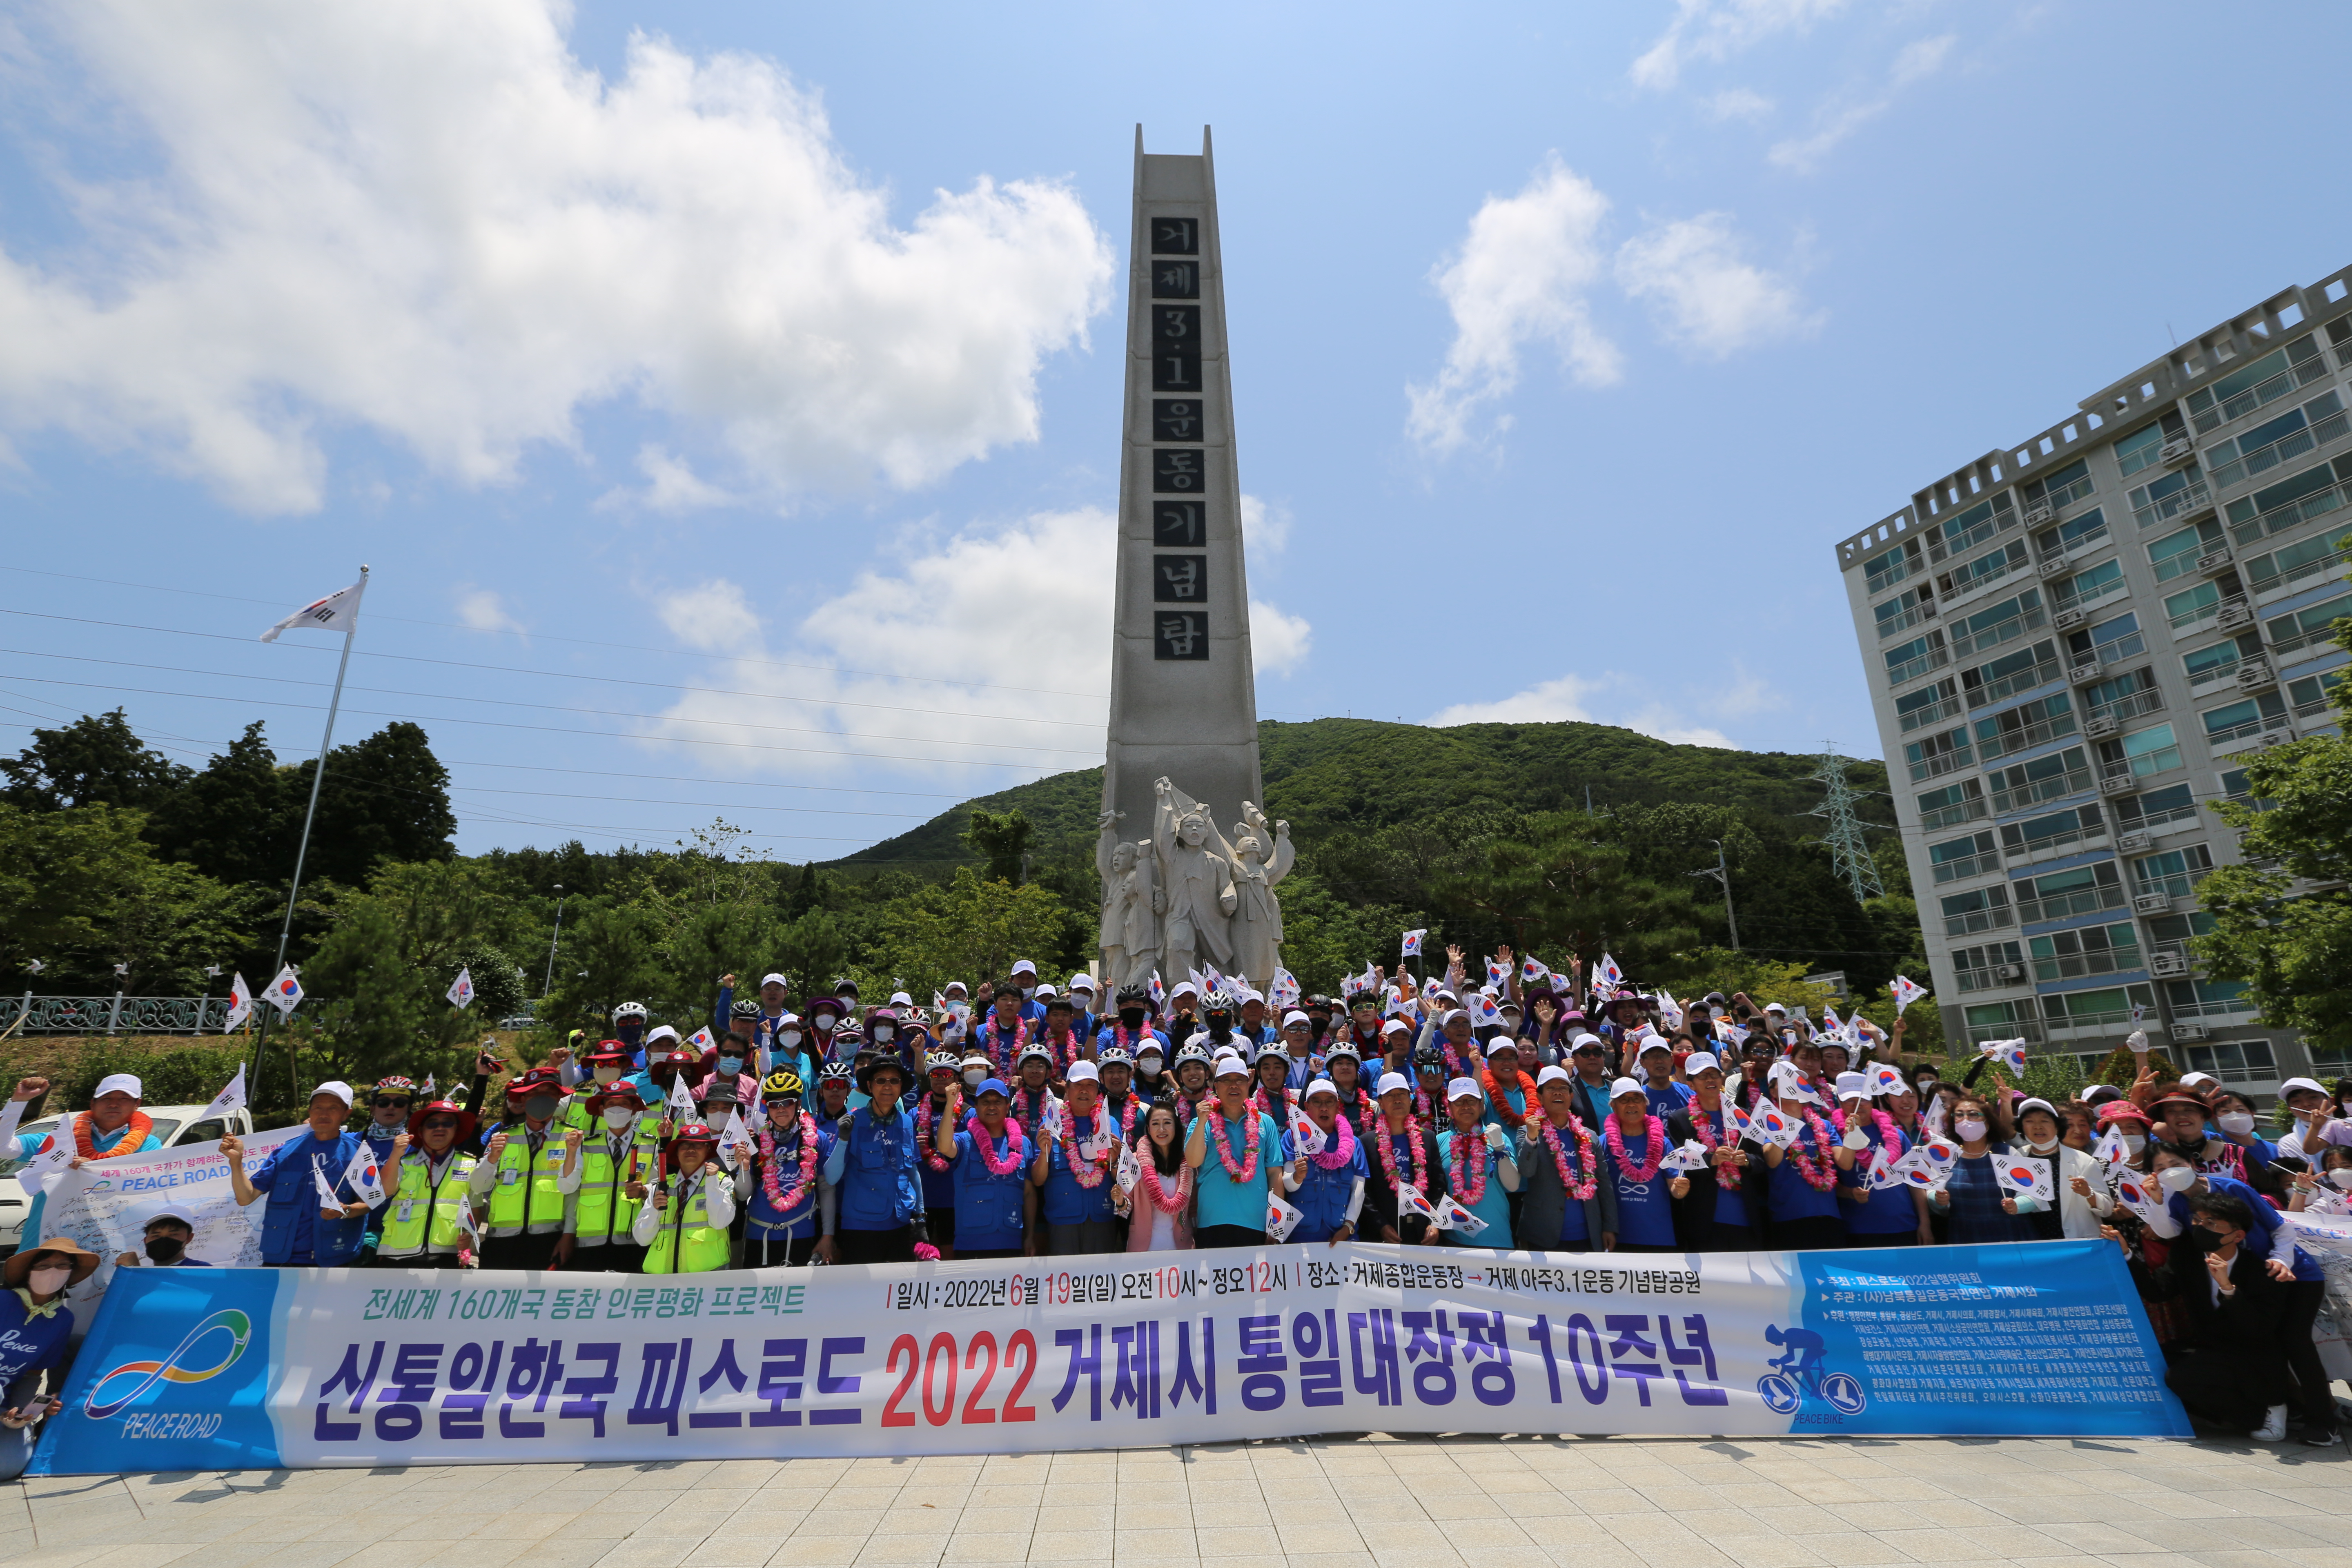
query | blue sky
[725, 397]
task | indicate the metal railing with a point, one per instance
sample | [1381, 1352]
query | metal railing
[2298, 373]
[2176, 886]
[1975, 920]
[1875, 582]
[2241, 731]
[2026, 679]
[1978, 865]
[1911, 669]
[2216, 674]
[1951, 544]
[2065, 906]
[1982, 572]
[2316, 566]
[2068, 597]
[2150, 700]
[1940, 763]
[2282, 647]
[1935, 712]
[1987, 979]
[118, 1015]
[2074, 781]
[2225, 1007]
[2081, 965]
[1951, 816]
[1907, 620]
[2015, 626]
[2197, 616]
[2149, 822]
[2067, 494]
[2186, 502]
[2023, 736]
[2294, 514]
[2051, 845]
[2271, 454]
[2077, 1024]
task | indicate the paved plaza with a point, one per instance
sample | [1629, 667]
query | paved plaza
[1322, 1503]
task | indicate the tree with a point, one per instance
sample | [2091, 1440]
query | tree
[81, 891]
[967, 931]
[607, 959]
[96, 760]
[374, 1012]
[2291, 949]
[1003, 838]
[229, 821]
[385, 798]
[1567, 884]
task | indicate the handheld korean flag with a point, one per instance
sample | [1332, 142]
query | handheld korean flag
[326, 1198]
[286, 992]
[466, 1221]
[735, 1143]
[461, 990]
[428, 1089]
[2009, 1054]
[1130, 1169]
[2139, 1011]
[1286, 989]
[1158, 991]
[1904, 993]
[1486, 1011]
[53, 1160]
[1411, 1200]
[1499, 975]
[2024, 1178]
[2111, 1150]
[1530, 971]
[1281, 1219]
[338, 612]
[240, 1004]
[229, 1100]
[1669, 1009]
[1349, 985]
[2144, 1200]
[1885, 1079]
[702, 1040]
[1413, 941]
[1306, 1137]
[1691, 1156]
[1771, 1124]
[1607, 973]
[1883, 1173]
[364, 1176]
[1452, 1216]
[1739, 1119]
[679, 1107]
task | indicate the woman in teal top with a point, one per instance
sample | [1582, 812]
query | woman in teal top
[1232, 1179]
[1484, 1176]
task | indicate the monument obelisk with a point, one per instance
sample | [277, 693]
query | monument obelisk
[1184, 700]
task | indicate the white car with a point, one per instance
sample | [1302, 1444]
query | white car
[174, 1124]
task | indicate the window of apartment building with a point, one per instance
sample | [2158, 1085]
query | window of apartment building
[1980, 909]
[1966, 529]
[2163, 499]
[2044, 778]
[1937, 755]
[2062, 895]
[1990, 567]
[2290, 564]
[2103, 1009]
[2144, 447]
[2002, 1021]
[2086, 951]
[2314, 694]
[2305, 629]
[2059, 832]
[2249, 387]
[2089, 587]
[2062, 488]
[1888, 567]
[1997, 624]
[2159, 808]
[2207, 998]
[2018, 670]
[1972, 854]
[2025, 726]
[2233, 1061]
[1906, 610]
[1914, 658]
[2114, 638]
[2124, 696]
[2291, 502]
[2176, 555]
[1928, 705]
[2279, 440]
[1989, 967]
[1951, 806]
[2173, 873]
[2217, 661]
[2147, 753]
[2238, 720]
[2075, 533]
[2193, 607]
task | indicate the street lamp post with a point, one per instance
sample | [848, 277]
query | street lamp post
[548, 983]
[1721, 872]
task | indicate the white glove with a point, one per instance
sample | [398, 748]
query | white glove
[1855, 1139]
[1495, 1140]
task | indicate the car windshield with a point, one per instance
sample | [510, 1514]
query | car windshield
[35, 1131]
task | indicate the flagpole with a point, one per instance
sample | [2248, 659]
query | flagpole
[303, 851]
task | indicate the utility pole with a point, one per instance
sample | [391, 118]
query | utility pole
[1721, 872]
[1849, 851]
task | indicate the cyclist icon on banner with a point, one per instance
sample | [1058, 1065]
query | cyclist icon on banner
[1797, 1372]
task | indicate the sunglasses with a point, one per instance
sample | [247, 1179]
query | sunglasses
[386, 1104]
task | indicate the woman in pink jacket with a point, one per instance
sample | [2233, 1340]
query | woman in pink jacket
[1158, 1201]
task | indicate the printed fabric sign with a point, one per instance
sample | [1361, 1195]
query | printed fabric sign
[237, 1368]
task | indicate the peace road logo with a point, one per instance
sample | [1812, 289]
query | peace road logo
[211, 1348]
[1799, 1372]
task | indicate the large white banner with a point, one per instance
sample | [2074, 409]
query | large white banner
[193, 1369]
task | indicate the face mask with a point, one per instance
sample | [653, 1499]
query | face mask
[2041, 1148]
[617, 1118]
[1131, 1017]
[2236, 1122]
[165, 1248]
[631, 1033]
[791, 1038]
[1969, 1129]
[974, 1077]
[540, 1107]
[2134, 1142]
[824, 1020]
[2176, 1178]
[608, 1075]
[2212, 1238]
[884, 1031]
[1927, 1082]
[48, 1281]
[1027, 991]
[731, 1066]
[2342, 1177]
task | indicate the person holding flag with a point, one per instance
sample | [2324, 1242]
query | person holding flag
[618, 1160]
[428, 1223]
[529, 1169]
[873, 1166]
[1481, 1173]
[1714, 1213]
[683, 1226]
[1877, 1215]
[1399, 1157]
[1234, 1149]
[1327, 1183]
[307, 1224]
[1075, 1160]
[790, 1209]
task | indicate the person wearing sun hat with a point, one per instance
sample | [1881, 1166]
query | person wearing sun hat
[430, 1175]
[35, 1325]
[684, 1222]
[618, 1161]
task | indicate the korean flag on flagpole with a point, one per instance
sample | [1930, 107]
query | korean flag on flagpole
[338, 612]
[240, 1004]
[286, 992]
[229, 1100]
[461, 990]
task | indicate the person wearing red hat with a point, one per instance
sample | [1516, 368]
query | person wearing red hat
[599, 1069]
[617, 1162]
[428, 1221]
[528, 1168]
[683, 1225]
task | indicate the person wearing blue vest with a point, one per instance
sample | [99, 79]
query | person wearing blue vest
[939, 1170]
[112, 1126]
[1080, 1217]
[996, 1205]
[35, 1334]
[1327, 1186]
[872, 1167]
[301, 1229]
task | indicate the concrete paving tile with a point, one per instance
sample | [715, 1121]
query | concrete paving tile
[824, 1551]
[984, 1548]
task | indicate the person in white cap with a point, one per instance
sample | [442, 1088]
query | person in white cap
[1326, 1185]
[1480, 1170]
[1078, 1155]
[1881, 1216]
[1800, 1179]
[1081, 993]
[301, 1229]
[1401, 1152]
[2312, 1108]
[1635, 1142]
[112, 1128]
[1715, 1214]
[1025, 979]
[1234, 1151]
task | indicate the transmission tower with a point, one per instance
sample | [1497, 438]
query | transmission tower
[1849, 852]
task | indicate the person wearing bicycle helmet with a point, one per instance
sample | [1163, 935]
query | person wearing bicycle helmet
[789, 1207]
[1033, 1089]
[629, 1028]
[938, 1182]
[834, 1083]
[1192, 1085]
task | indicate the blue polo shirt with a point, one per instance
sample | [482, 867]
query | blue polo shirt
[1665, 1102]
[1645, 1214]
[31, 1143]
[988, 1207]
[1322, 1195]
[1890, 1211]
[1494, 1205]
[1730, 1203]
[1789, 1195]
[1221, 1199]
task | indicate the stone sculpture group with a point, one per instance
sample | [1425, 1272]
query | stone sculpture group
[1189, 896]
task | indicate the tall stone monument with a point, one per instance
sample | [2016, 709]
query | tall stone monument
[1178, 892]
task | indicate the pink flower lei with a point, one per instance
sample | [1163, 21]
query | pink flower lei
[1820, 1169]
[1469, 1184]
[1289, 1103]
[1089, 1173]
[1342, 1147]
[1579, 1190]
[924, 1117]
[1655, 1147]
[1726, 1176]
[988, 1036]
[1016, 1143]
[1247, 1172]
[1157, 1194]
[780, 1196]
[1385, 1142]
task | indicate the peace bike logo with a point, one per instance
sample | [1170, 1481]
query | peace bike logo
[211, 1348]
[1797, 1373]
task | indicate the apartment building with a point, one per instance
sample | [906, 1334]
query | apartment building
[2073, 642]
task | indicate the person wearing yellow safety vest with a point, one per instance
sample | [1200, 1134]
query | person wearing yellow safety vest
[425, 1224]
[683, 1227]
[617, 1163]
[528, 1167]
[605, 1066]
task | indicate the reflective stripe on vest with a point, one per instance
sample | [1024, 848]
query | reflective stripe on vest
[519, 1174]
[601, 1210]
[686, 1231]
[419, 1202]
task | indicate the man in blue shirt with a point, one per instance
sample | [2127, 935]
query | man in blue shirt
[1232, 1203]
[1658, 1085]
[300, 1229]
[995, 1204]
[1327, 1186]
[1078, 1214]
[112, 1126]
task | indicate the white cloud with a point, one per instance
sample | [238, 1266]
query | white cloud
[1266, 529]
[1568, 699]
[483, 611]
[714, 617]
[1710, 300]
[1739, 103]
[432, 222]
[672, 485]
[1717, 29]
[1278, 643]
[1519, 276]
[1840, 119]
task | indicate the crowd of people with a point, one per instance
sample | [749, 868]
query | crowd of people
[1528, 1111]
